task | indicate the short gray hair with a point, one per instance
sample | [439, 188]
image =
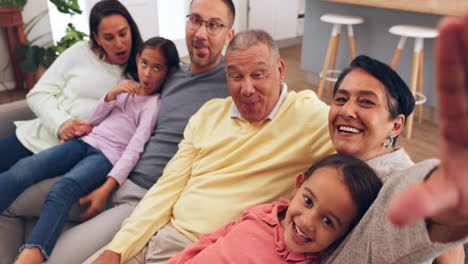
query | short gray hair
[249, 38]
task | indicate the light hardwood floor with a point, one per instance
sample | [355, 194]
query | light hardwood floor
[423, 145]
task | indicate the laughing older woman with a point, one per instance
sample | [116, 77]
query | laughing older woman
[370, 106]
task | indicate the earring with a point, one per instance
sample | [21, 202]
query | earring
[391, 139]
[102, 54]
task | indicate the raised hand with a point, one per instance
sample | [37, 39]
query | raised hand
[124, 87]
[443, 198]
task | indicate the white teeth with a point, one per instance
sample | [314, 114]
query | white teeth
[300, 233]
[348, 129]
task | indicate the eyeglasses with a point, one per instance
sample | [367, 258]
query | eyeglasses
[213, 27]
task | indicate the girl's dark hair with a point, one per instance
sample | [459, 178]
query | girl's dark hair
[361, 180]
[106, 8]
[167, 48]
[400, 100]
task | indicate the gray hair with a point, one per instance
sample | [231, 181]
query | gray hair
[249, 38]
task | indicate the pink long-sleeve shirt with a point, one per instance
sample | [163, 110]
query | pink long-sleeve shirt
[121, 129]
[256, 237]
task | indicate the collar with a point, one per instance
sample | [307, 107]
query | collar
[234, 113]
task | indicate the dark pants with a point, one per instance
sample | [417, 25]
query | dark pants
[11, 150]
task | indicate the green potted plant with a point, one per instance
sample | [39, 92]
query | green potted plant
[13, 3]
[36, 59]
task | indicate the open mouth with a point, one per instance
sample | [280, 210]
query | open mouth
[146, 85]
[201, 49]
[349, 129]
[299, 236]
[121, 54]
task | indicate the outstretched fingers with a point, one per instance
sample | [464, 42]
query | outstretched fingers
[424, 200]
[446, 189]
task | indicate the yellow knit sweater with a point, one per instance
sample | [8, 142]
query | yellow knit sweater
[224, 165]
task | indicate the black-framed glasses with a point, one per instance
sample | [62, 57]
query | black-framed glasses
[213, 26]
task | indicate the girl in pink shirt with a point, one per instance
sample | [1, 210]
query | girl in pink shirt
[329, 200]
[122, 123]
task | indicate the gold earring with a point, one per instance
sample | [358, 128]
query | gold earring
[102, 53]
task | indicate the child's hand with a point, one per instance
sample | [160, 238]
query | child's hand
[125, 87]
[96, 200]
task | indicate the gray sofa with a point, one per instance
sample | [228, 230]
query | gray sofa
[11, 112]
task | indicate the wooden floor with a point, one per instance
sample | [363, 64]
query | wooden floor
[423, 145]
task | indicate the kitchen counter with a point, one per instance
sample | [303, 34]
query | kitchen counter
[438, 7]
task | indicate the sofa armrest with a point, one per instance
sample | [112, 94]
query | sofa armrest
[11, 112]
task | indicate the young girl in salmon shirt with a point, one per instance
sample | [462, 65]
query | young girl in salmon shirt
[329, 200]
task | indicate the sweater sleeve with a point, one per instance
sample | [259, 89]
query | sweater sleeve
[206, 240]
[155, 209]
[135, 147]
[43, 98]
[100, 111]
[376, 240]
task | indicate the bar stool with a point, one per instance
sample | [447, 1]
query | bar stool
[332, 50]
[416, 86]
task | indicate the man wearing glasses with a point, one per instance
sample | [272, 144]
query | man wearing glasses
[235, 152]
[208, 30]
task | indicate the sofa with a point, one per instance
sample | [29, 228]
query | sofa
[11, 112]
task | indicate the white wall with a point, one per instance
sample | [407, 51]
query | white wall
[153, 17]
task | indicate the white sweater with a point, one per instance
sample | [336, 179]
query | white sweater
[68, 90]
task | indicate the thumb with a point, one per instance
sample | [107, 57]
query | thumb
[423, 200]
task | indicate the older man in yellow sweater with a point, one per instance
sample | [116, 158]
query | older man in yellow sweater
[236, 152]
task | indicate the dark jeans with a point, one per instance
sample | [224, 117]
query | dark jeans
[11, 150]
[84, 168]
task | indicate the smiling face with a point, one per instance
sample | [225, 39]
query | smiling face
[115, 37]
[320, 212]
[205, 49]
[152, 70]
[254, 79]
[359, 119]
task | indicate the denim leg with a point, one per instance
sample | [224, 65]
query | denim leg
[11, 150]
[49, 163]
[87, 175]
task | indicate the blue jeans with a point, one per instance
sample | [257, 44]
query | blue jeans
[84, 167]
[11, 150]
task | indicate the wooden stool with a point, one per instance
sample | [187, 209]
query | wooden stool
[10, 18]
[332, 50]
[416, 86]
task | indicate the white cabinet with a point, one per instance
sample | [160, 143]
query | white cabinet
[277, 17]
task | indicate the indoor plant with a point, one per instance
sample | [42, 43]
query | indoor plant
[34, 58]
